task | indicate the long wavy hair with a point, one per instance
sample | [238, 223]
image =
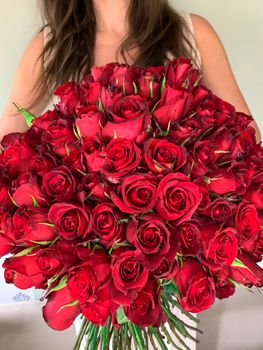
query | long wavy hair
[155, 28]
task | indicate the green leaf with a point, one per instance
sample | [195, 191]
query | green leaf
[13, 201]
[171, 289]
[100, 105]
[206, 180]
[76, 132]
[35, 203]
[114, 134]
[234, 282]
[120, 315]
[73, 303]
[26, 251]
[46, 224]
[151, 89]
[238, 263]
[135, 88]
[41, 243]
[29, 117]
[107, 195]
[123, 221]
[163, 84]
[61, 284]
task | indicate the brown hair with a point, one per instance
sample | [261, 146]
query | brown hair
[155, 28]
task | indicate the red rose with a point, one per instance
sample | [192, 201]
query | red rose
[178, 197]
[247, 223]
[24, 272]
[167, 269]
[71, 221]
[163, 156]
[93, 187]
[40, 164]
[91, 154]
[121, 157]
[59, 184]
[90, 91]
[188, 234]
[224, 287]
[136, 194]
[149, 85]
[129, 275]
[196, 289]
[258, 251]
[90, 120]
[123, 78]
[219, 247]
[106, 225]
[128, 116]
[5, 200]
[69, 97]
[220, 210]
[146, 310]
[57, 314]
[103, 73]
[255, 191]
[91, 277]
[152, 239]
[26, 191]
[250, 274]
[31, 225]
[173, 106]
[181, 72]
[204, 157]
[6, 244]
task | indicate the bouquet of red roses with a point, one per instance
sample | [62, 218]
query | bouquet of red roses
[139, 193]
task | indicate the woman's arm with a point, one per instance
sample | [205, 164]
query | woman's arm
[217, 73]
[26, 75]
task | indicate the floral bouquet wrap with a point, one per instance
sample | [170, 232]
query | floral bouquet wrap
[140, 193]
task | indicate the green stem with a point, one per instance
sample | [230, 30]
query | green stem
[159, 337]
[81, 334]
[169, 338]
[94, 342]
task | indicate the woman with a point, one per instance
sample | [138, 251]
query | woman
[82, 33]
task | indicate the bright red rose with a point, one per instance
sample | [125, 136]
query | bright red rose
[219, 246]
[91, 277]
[121, 157]
[197, 290]
[220, 210]
[204, 157]
[23, 272]
[149, 86]
[93, 187]
[181, 73]
[6, 244]
[188, 234]
[59, 184]
[128, 116]
[57, 314]
[136, 194]
[178, 198]
[90, 91]
[5, 200]
[71, 222]
[167, 269]
[163, 156]
[92, 155]
[258, 251]
[123, 78]
[40, 164]
[255, 191]
[106, 224]
[146, 310]
[224, 287]
[69, 97]
[90, 121]
[173, 106]
[152, 239]
[247, 223]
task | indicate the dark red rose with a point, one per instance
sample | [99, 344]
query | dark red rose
[129, 275]
[106, 225]
[247, 223]
[250, 274]
[178, 197]
[40, 164]
[149, 85]
[30, 225]
[167, 269]
[188, 234]
[255, 191]
[91, 154]
[103, 73]
[90, 91]
[91, 277]
[197, 290]
[204, 157]
[146, 310]
[128, 116]
[59, 184]
[74, 162]
[26, 191]
[5, 200]
[121, 157]
[224, 287]
[69, 97]
[187, 131]
[24, 272]
[152, 239]
[90, 121]
[136, 194]
[173, 106]
[57, 314]
[181, 73]
[219, 246]
[15, 158]
[123, 78]
[6, 244]
[71, 221]
[163, 156]
[93, 187]
[220, 210]
[258, 251]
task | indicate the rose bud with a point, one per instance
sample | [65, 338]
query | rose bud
[224, 287]
[163, 156]
[91, 277]
[248, 226]
[152, 239]
[55, 314]
[59, 184]
[106, 225]
[178, 198]
[24, 272]
[181, 72]
[91, 154]
[219, 246]
[71, 222]
[146, 310]
[188, 234]
[136, 194]
[167, 269]
[197, 290]
[121, 157]
[90, 121]
[93, 187]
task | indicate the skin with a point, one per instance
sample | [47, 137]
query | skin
[112, 27]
